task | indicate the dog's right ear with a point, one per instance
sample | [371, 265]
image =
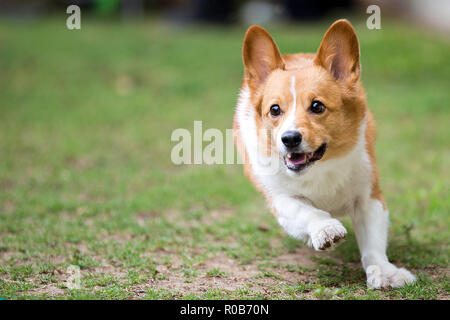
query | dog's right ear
[261, 56]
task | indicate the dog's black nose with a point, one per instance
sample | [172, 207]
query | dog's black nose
[291, 138]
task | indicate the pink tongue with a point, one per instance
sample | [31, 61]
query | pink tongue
[298, 158]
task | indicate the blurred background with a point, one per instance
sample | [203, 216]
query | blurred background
[435, 14]
[86, 178]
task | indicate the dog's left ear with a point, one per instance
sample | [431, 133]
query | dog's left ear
[339, 52]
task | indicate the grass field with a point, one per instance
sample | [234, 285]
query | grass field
[86, 177]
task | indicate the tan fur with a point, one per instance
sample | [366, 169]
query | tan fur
[370, 146]
[330, 76]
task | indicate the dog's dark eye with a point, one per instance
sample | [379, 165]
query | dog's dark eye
[317, 107]
[275, 110]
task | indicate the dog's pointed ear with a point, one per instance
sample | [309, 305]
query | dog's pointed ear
[339, 52]
[260, 55]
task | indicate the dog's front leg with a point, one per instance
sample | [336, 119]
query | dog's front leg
[305, 222]
[371, 222]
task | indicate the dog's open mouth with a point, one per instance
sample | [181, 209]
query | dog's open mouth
[297, 161]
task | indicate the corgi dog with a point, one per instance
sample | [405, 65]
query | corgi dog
[307, 138]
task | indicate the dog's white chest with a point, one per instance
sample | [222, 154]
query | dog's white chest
[332, 186]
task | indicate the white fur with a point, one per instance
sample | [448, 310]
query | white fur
[370, 222]
[307, 203]
[289, 123]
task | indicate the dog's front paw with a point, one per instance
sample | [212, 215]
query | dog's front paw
[384, 276]
[326, 233]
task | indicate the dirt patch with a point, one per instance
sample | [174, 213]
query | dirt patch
[221, 272]
[301, 256]
[49, 290]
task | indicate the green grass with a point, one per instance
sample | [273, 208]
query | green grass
[86, 177]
